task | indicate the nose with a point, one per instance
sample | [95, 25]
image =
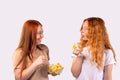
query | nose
[41, 35]
[82, 31]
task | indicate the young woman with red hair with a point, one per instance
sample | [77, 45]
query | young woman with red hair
[31, 58]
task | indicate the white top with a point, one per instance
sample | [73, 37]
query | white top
[90, 71]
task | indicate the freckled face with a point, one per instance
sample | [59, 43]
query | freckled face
[84, 31]
[39, 34]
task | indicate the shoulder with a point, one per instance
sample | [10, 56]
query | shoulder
[16, 57]
[109, 57]
[108, 52]
[43, 47]
[17, 52]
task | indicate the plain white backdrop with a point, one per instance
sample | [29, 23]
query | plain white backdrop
[61, 21]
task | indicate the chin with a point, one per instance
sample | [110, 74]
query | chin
[38, 43]
[85, 39]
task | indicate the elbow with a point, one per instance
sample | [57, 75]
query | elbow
[75, 73]
[18, 77]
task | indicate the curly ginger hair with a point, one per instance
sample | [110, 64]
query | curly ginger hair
[98, 40]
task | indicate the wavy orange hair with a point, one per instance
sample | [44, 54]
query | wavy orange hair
[98, 40]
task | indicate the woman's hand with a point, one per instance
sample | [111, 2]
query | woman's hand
[41, 61]
[77, 52]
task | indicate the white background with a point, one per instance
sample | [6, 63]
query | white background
[61, 21]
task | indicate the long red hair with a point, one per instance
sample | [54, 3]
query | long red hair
[98, 40]
[28, 41]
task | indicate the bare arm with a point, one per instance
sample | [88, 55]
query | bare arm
[76, 66]
[31, 69]
[77, 63]
[108, 72]
[26, 72]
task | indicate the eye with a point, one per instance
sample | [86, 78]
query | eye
[40, 32]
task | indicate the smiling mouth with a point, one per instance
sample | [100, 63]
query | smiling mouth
[82, 35]
[39, 40]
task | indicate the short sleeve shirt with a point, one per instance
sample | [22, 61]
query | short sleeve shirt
[90, 71]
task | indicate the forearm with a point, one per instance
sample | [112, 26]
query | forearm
[76, 66]
[107, 76]
[108, 72]
[26, 72]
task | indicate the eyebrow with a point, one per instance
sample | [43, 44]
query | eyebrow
[40, 31]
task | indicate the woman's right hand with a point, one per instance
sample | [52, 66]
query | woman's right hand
[41, 61]
[76, 51]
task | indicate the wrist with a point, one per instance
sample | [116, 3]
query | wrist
[35, 66]
[80, 55]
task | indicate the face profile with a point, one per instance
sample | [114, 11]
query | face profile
[39, 34]
[84, 31]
